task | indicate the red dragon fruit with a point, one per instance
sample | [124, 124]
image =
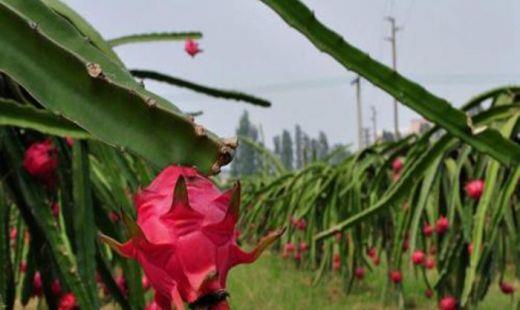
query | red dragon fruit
[290, 247]
[192, 47]
[359, 273]
[397, 165]
[506, 288]
[442, 225]
[37, 284]
[145, 283]
[448, 303]
[429, 263]
[396, 276]
[40, 160]
[474, 189]
[428, 293]
[56, 287]
[184, 238]
[427, 230]
[68, 302]
[303, 246]
[418, 257]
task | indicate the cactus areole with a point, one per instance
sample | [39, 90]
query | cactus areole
[185, 240]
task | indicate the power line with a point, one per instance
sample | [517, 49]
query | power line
[392, 39]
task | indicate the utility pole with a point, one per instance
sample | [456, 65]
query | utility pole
[357, 82]
[374, 122]
[392, 38]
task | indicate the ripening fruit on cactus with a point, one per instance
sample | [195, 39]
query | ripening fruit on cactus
[359, 273]
[397, 165]
[372, 252]
[429, 263]
[396, 276]
[474, 189]
[297, 256]
[114, 217]
[289, 247]
[192, 47]
[301, 224]
[40, 160]
[428, 293]
[418, 257]
[23, 266]
[68, 302]
[303, 246]
[56, 287]
[448, 303]
[405, 245]
[184, 238]
[37, 284]
[506, 288]
[427, 230]
[442, 225]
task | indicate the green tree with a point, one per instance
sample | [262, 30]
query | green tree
[298, 141]
[323, 145]
[287, 150]
[246, 161]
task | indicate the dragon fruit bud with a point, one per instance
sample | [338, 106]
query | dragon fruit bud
[184, 238]
[359, 273]
[506, 288]
[55, 209]
[40, 160]
[191, 47]
[372, 252]
[405, 245]
[302, 224]
[297, 256]
[121, 284]
[397, 165]
[428, 293]
[145, 283]
[448, 303]
[474, 189]
[290, 247]
[56, 287]
[37, 284]
[13, 233]
[418, 257]
[23, 266]
[396, 276]
[429, 263]
[442, 225]
[427, 230]
[303, 246]
[70, 141]
[68, 302]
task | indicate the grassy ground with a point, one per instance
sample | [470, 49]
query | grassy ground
[272, 283]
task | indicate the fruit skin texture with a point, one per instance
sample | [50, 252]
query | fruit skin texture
[506, 288]
[474, 189]
[448, 303]
[40, 160]
[418, 257]
[68, 302]
[185, 239]
[442, 225]
[191, 47]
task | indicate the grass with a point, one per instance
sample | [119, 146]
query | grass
[272, 283]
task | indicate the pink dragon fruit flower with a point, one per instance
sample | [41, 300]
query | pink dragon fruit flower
[192, 47]
[184, 238]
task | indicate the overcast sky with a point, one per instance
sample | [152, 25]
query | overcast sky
[456, 49]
